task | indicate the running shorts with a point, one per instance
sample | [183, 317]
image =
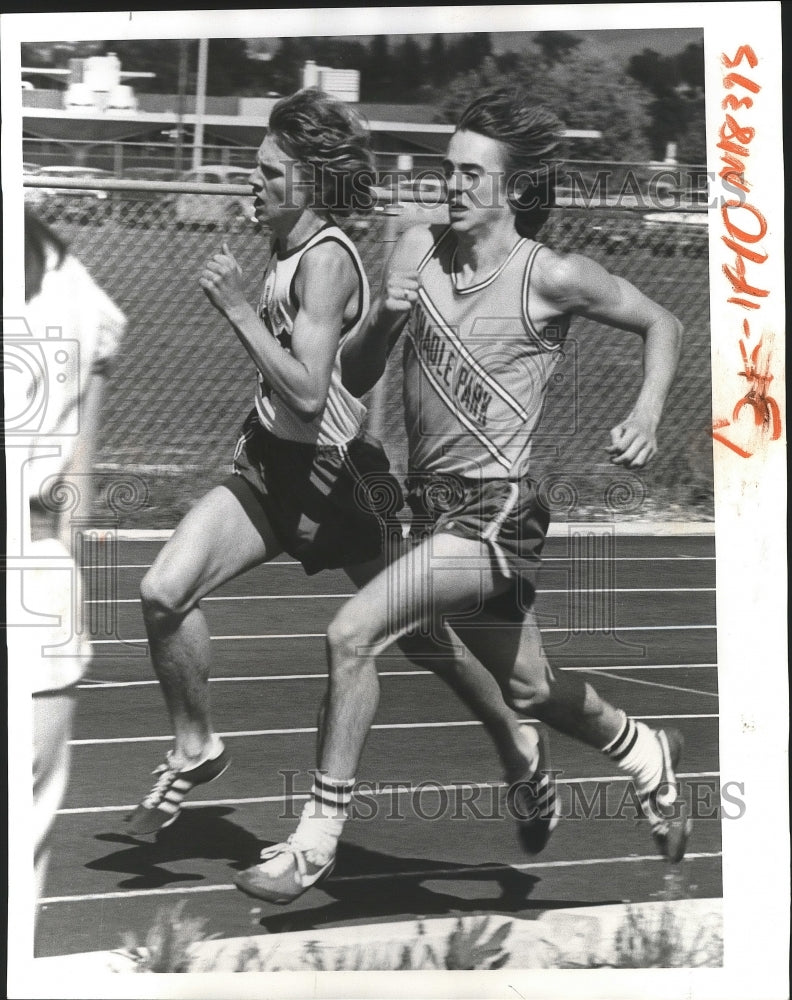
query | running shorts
[328, 505]
[505, 514]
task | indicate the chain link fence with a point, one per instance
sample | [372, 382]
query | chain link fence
[183, 383]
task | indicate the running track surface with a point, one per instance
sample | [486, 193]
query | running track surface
[396, 860]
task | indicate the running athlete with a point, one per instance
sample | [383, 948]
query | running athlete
[302, 453]
[485, 309]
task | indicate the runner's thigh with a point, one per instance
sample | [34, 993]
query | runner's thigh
[214, 542]
[441, 575]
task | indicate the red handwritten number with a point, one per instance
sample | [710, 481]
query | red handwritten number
[766, 410]
[732, 103]
[737, 80]
[740, 284]
[744, 52]
[734, 142]
[735, 231]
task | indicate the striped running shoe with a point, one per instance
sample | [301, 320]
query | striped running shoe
[162, 805]
[663, 807]
[532, 802]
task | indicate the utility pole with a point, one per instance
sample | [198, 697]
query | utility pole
[200, 102]
[180, 104]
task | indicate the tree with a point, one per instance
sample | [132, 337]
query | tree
[229, 68]
[411, 68]
[584, 90]
[378, 76]
[653, 71]
[692, 140]
[690, 65]
[468, 52]
[285, 68]
[436, 60]
[158, 56]
[556, 45]
[672, 113]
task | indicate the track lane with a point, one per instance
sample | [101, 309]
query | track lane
[586, 861]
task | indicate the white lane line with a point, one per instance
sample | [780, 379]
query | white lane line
[398, 789]
[647, 666]
[216, 638]
[245, 597]
[668, 687]
[545, 559]
[520, 866]
[98, 684]
[320, 597]
[285, 562]
[422, 873]
[321, 635]
[103, 741]
[590, 558]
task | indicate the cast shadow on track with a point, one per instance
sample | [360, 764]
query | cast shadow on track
[205, 833]
[405, 897]
[198, 833]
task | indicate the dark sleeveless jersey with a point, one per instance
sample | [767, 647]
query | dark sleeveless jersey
[476, 368]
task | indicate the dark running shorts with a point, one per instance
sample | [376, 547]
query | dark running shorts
[328, 506]
[505, 514]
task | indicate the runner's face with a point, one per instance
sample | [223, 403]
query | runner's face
[475, 171]
[278, 189]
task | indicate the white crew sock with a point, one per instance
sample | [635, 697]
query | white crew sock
[637, 751]
[324, 815]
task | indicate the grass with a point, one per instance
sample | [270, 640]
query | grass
[171, 946]
[646, 938]
[169, 942]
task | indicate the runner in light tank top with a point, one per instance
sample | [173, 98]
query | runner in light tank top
[342, 417]
[484, 310]
[304, 470]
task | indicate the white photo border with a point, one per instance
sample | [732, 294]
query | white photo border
[750, 505]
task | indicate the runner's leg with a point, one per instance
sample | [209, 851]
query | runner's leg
[215, 542]
[388, 607]
[406, 594]
[566, 703]
[440, 651]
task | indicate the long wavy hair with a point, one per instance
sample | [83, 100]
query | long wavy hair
[330, 140]
[532, 137]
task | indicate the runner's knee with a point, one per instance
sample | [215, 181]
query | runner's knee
[343, 637]
[348, 639]
[162, 595]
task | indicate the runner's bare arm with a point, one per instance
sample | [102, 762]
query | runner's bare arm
[364, 355]
[325, 283]
[576, 284]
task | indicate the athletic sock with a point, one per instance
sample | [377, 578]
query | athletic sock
[324, 815]
[637, 751]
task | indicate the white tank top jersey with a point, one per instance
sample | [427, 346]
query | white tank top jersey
[343, 415]
[476, 368]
